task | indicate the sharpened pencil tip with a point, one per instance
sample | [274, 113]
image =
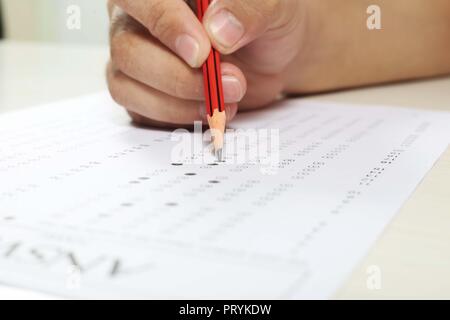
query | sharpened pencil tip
[219, 155]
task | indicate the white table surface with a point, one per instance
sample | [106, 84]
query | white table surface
[413, 253]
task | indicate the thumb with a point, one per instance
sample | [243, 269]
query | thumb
[231, 24]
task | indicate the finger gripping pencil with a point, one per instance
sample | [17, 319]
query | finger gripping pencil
[212, 77]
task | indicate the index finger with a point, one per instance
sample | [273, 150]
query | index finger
[174, 24]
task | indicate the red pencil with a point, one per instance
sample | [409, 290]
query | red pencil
[212, 76]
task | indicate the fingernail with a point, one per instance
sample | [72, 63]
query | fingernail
[232, 89]
[225, 28]
[188, 49]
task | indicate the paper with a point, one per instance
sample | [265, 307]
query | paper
[92, 206]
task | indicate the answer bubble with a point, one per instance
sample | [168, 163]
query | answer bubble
[127, 204]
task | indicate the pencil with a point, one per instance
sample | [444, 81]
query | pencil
[212, 77]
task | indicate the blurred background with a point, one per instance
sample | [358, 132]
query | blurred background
[47, 55]
[46, 21]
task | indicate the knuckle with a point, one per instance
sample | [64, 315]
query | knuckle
[121, 44]
[114, 87]
[115, 35]
[123, 39]
[115, 48]
[118, 18]
[159, 21]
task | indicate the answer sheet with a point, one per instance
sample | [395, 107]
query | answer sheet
[94, 207]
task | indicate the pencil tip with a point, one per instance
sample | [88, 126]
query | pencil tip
[219, 155]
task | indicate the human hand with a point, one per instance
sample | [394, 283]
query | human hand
[157, 47]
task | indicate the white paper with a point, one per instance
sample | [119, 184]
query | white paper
[92, 206]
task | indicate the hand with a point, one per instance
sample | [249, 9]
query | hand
[158, 47]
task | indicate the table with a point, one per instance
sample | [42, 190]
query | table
[413, 253]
